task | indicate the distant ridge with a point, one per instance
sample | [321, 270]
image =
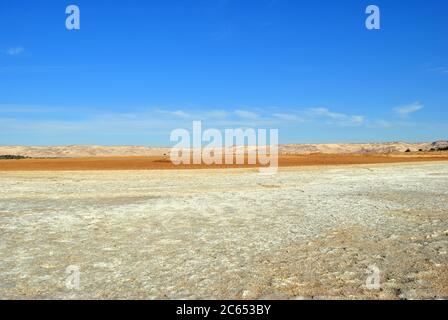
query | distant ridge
[75, 151]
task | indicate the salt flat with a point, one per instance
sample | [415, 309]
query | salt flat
[305, 233]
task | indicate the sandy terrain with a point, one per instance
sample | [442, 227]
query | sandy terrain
[307, 232]
[151, 163]
[287, 149]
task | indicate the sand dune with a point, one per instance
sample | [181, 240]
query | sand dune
[83, 151]
[76, 151]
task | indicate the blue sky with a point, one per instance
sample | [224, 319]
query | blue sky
[138, 69]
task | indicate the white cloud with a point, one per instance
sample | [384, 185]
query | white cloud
[335, 117]
[357, 119]
[135, 121]
[381, 123]
[404, 111]
[216, 114]
[176, 113]
[19, 108]
[246, 114]
[180, 113]
[442, 70]
[14, 51]
[105, 124]
[287, 117]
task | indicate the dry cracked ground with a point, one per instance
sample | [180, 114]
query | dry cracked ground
[304, 233]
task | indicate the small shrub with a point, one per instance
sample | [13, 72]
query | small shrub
[11, 157]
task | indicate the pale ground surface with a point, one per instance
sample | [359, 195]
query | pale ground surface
[307, 232]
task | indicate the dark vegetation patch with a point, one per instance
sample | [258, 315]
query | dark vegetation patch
[12, 157]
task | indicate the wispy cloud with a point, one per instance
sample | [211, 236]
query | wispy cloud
[135, 117]
[235, 118]
[180, 113]
[176, 113]
[247, 114]
[288, 117]
[98, 124]
[216, 114]
[406, 110]
[23, 69]
[142, 122]
[335, 117]
[381, 123]
[19, 108]
[14, 51]
[442, 70]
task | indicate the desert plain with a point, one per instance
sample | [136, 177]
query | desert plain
[314, 230]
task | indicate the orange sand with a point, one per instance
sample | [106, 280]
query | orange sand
[151, 163]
